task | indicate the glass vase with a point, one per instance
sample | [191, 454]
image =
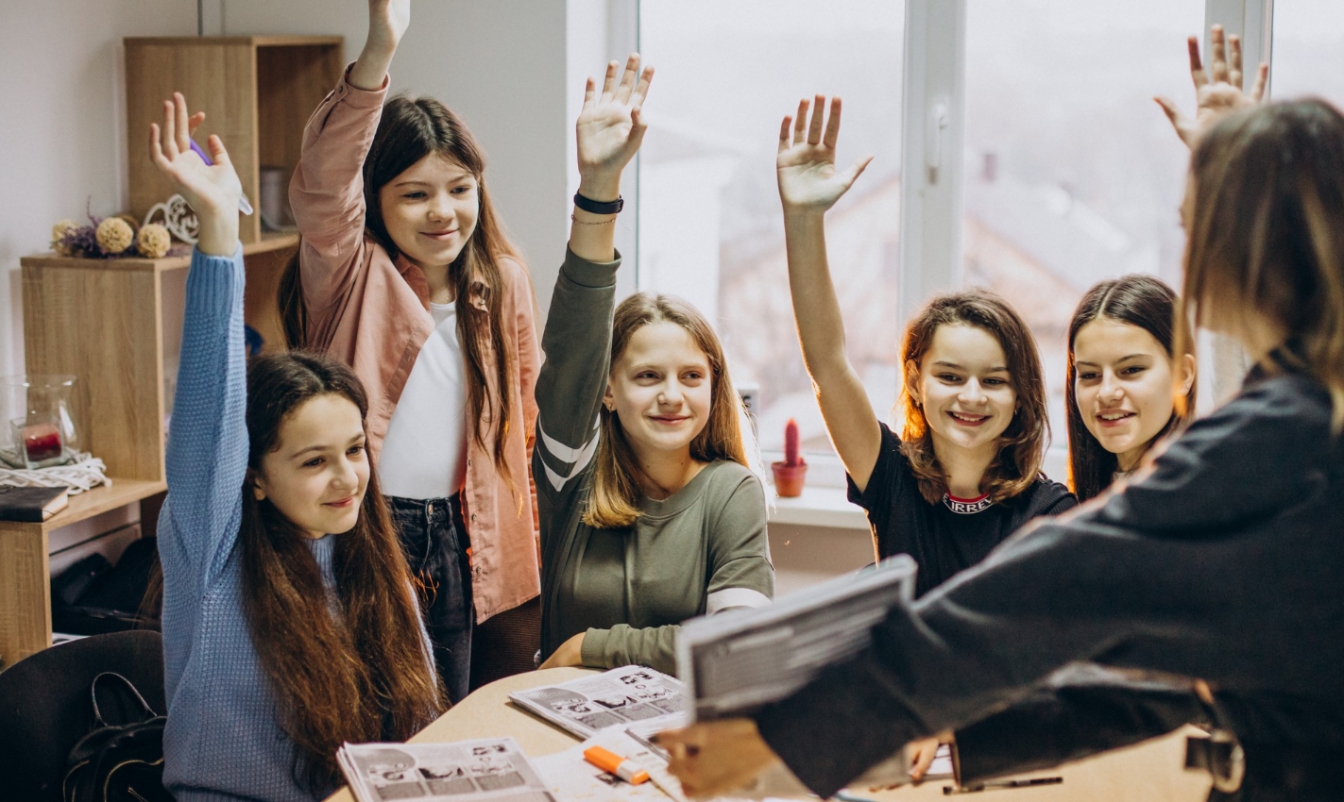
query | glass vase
[38, 429]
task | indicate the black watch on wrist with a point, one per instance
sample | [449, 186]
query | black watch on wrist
[599, 207]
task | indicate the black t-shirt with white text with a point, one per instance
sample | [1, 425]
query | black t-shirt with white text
[941, 541]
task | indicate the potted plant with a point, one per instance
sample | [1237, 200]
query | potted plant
[790, 473]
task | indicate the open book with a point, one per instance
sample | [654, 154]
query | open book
[491, 770]
[640, 699]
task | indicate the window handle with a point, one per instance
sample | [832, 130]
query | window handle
[935, 131]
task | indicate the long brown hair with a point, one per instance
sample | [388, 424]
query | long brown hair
[614, 498]
[1143, 301]
[360, 672]
[408, 131]
[1022, 444]
[1267, 232]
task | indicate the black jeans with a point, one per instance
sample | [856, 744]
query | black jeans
[435, 542]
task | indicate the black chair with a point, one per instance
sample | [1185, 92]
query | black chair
[45, 709]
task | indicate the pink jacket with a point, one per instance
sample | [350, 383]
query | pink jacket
[372, 312]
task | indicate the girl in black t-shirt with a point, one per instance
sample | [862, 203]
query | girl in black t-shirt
[965, 471]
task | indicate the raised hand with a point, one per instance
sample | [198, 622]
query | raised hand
[610, 128]
[388, 21]
[213, 191]
[1219, 91]
[805, 166]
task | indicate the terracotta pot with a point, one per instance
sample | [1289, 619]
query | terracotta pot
[789, 479]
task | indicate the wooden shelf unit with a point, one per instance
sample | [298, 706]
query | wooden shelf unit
[256, 91]
[116, 325]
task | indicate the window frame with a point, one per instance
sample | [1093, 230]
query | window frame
[932, 167]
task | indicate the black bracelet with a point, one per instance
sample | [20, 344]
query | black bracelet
[599, 207]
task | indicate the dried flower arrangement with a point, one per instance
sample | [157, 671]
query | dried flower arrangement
[110, 238]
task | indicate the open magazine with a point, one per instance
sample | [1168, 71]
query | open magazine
[491, 770]
[738, 660]
[637, 698]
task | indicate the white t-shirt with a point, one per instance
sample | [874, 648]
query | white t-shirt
[425, 452]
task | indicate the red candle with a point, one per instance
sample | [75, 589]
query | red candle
[42, 442]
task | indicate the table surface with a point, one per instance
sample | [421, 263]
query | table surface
[1149, 772]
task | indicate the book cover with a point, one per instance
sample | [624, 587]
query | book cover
[32, 504]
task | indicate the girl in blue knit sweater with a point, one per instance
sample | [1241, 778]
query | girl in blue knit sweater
[289, 621]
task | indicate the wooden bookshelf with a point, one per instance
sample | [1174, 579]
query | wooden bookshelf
[25, 594]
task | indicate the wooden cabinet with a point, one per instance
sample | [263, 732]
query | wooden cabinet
[256, 92]
[116, 324]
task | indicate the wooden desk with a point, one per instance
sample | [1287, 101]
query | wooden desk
[1149, 772]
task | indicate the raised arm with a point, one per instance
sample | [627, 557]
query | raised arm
[1218, 91]
[326, 192]
[809, 185]
[207, 443]
[577, 339]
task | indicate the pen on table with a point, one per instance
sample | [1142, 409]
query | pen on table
[994, 785]
[612, 763]
[243, 205]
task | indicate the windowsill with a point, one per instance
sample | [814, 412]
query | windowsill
[817, 506]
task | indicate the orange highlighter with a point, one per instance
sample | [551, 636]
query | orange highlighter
[612, 763]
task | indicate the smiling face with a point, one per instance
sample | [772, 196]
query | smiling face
[430, 210]
[1123, 385]
[965, 389]
[661, 390]
[317, 473]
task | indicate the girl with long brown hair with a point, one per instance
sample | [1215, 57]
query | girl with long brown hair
[649, 513]
[289, 620]
[1126, 387]
[405, 274]
[965, 470]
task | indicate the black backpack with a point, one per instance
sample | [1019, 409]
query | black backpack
[120, 762]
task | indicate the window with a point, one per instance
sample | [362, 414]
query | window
[710, 226]
[1309, 49]
[1072, 174]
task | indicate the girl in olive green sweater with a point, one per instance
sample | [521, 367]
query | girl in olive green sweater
[649, 515]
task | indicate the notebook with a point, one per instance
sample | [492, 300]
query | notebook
[32, 504]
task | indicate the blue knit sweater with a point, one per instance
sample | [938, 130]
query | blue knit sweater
[223, 739]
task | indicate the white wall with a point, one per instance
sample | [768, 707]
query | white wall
[63, 132]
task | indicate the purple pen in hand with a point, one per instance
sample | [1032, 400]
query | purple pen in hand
[243, 205]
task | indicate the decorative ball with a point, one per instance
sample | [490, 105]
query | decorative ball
[153, 241]
[114, 235]
[58, 233]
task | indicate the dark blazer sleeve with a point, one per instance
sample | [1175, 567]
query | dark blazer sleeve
[1081, 711]
[1168, 574]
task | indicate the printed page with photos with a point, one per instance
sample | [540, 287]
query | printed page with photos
[493, 770]
[634, 697]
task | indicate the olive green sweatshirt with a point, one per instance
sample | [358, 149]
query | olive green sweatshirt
[699, 551]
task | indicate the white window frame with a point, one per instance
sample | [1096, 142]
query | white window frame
[932, 164]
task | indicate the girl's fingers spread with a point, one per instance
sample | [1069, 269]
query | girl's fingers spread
[169, 131]
[833, 125]
[818, 112]
[784, 133]
[1261, 81]
[609, 82]
[1219, 54]
[1234, 60]
[800, 122]
[218, 154]
[642, 89]
[155, 149]
[1196, 64]
[628, 78]
[183, 135]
